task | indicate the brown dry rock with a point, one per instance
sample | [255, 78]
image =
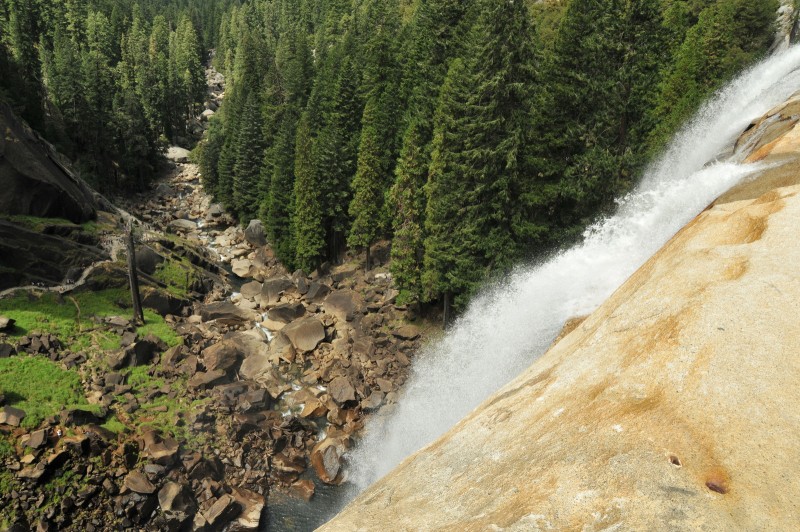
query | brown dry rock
[202, 379]
[305, 334]
[11, 416]
[317, 292]
[303, 489]
[407, 332]
[37, 439]
[272, 289]
[138, 482]
[252, 505]
[341, 390]
[225, 312]
[175, 497]
[344, 304]
[325, 458]
[286, 313]
[671, 406]
[242, 268]
[222, 512]
[251, 290]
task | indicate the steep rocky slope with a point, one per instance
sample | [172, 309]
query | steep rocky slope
[34, 180]
[670, 407]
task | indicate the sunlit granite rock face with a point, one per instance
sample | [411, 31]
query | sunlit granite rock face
[671, 407]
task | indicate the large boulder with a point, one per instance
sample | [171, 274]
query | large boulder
[272, 289]
[175, 497]
[229, 353]
[325, 458]
[344, 304]
[242, 268]
[75, 417]
[255, 235]
[11, 416]
[137, 482]
[317, 292]
[147, 259]
[286, 313]
[305, 334]
[182, 224]
[251, 290]
[222, 512]
[341, 390]
[178, 155]
[161, 301]
[6, 324]
[35, 181]
[252, 505]
[225, 312]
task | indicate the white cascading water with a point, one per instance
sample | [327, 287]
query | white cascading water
[507, 327]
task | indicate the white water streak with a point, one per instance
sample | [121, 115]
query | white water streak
[507, 327]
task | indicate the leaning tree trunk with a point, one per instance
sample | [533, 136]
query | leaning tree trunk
[133, 278]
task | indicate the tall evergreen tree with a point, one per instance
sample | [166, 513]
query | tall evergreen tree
[407, 200]
[727, 36]
[247, 166]
[309, 228]
[604, 72]
[436, 35]
[379, 129]
[479, 146]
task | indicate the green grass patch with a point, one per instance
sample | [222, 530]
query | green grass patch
[139, 379]
[75, 318]
[40, 387]
[6, 448]
[163, 413]
[177, 275]
[114, 425]
[6, 481]
[155, 325]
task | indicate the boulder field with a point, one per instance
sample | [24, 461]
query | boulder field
[672, 406]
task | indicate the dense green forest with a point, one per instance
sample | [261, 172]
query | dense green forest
[110, 83]
[472, 133]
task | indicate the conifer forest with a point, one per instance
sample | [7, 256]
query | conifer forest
[471, 134]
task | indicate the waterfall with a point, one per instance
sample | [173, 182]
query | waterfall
[508, 326]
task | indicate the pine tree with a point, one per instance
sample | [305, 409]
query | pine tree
[379, 129]
[446, 243]
[407, 199]
[373, 173]
[603, 75]
[247, 166]
[479, 190]
[436, 35]
[309, 229]
[280, 203]
[728, 36]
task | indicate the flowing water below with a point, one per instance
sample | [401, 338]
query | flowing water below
[511, 324]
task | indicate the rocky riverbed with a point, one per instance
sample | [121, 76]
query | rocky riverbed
[269, 384]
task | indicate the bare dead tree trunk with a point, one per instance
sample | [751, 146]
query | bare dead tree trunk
[446, 312]
[133, 278]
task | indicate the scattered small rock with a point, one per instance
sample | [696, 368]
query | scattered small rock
[11, 416]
